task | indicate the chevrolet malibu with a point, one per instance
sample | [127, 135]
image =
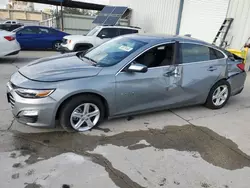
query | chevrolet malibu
[127, 75]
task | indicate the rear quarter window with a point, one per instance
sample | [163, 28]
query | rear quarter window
[215, 54]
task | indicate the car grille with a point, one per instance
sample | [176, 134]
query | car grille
[12, 100]
[64, 41]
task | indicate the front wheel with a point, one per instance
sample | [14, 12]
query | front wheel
[56, 45]
[81, 113]
[218, 95]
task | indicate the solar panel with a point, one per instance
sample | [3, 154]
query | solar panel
[112, 20]
[107, 10]
[110, 15]
[120, 10]
[100, 19]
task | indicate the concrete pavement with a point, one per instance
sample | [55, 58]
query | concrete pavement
[183, 148]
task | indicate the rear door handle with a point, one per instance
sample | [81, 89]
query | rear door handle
[212, 69]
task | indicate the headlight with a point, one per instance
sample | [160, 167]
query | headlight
[33, 93]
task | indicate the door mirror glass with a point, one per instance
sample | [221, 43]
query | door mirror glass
[136, 67]
[103, 36]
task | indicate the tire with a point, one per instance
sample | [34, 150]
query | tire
[215, 101]
[78, 104]
[56, 45]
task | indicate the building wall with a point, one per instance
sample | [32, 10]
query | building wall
[203, 18]
[154, 16]
[75, 24]
[9, 14]
[240, 30]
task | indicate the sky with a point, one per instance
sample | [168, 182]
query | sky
[41, 6]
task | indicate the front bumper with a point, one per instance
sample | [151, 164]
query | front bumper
[13, 53]
[64, 49]
[32, 112]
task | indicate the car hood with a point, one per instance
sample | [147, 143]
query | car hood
[59, 68]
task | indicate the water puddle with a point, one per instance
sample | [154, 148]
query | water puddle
[213, 148]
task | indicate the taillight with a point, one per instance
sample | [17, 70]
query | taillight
[69, 41]
[9, 38]
[241, 66]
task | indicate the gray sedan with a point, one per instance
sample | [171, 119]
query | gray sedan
[128, 75]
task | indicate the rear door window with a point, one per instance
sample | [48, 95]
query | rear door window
[191, 53]
[127, 31]
[43, 30]
[194, 53]
[109, 33]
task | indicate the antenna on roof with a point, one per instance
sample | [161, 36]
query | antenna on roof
[187, 35]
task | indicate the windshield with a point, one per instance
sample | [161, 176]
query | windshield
[114, 51]
[93, 31]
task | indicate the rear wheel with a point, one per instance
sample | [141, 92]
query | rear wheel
[81, 113]
[218, 95]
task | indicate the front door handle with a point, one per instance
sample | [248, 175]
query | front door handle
[211, 69]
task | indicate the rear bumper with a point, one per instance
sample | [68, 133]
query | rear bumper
[237, 82]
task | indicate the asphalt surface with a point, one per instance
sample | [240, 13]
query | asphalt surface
[181, 148]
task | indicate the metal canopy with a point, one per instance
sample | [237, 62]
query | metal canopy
[69, 3]
[110, 15]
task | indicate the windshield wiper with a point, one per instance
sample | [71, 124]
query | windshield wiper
[90, 59]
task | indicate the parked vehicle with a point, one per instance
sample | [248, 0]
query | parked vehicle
[38, 37]
[95, 37]
[11, 22]
[8, 44]
[10, 27]
[127, 75]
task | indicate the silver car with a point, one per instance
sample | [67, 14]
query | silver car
[128, 75]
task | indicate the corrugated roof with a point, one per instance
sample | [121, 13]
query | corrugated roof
[69, 3]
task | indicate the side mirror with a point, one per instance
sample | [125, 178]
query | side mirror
[102, 36]
[136, 67]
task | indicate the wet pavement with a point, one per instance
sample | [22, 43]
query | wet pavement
[182, 148]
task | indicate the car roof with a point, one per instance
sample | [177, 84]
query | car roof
[120, 27]
[161, 38]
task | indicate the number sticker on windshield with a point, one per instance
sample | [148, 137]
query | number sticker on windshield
[125, 48]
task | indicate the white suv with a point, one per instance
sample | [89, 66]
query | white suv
[95, 37]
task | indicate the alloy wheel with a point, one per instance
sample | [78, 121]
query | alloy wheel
[57, 45]
[85, 116]
[220, 95]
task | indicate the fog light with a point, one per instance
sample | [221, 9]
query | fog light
[29, 113]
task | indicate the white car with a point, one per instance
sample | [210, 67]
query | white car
[95, 37]
[11, 22]
[8, 44]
